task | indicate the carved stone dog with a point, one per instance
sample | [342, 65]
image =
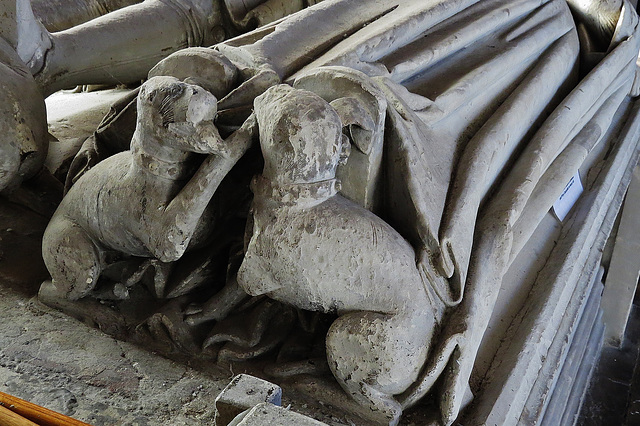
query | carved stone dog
[148, 201]
[316, 250]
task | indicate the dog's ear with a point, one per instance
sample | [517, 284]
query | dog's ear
[345, 150]
[357, 121]
[163, 98]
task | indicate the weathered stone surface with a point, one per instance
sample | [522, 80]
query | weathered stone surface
[54, 361]
[202, 66]
[571, 267]
[464, 120]
[123, 45]
[361, 106]
[23, 146]
[268, 414]
[564, 356]
[174, 120]
[72, 119]
[622, 279]
[243, 393]
[59, 15]
[386, 321]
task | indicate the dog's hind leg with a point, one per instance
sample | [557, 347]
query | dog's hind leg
[375, 356]
[71, 257]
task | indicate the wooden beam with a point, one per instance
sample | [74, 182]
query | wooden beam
[9, 418]
[34, 413]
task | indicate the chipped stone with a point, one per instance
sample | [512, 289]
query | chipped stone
[269, 414]
[244, 392]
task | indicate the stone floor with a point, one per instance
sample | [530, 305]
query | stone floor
[53, 360]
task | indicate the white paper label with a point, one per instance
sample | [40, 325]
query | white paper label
[569, 196]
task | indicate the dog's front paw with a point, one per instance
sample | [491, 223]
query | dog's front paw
[237, 144]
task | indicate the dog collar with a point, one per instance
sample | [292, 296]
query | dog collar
[172, 170]
[294, 194]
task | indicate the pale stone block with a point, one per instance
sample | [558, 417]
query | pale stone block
[242, 393]
[269, 414]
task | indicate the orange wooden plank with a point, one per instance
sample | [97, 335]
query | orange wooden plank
[9, 418]
[35, 413]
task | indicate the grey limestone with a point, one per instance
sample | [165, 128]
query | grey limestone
[243, 393]
[340, 198]
[269, 414]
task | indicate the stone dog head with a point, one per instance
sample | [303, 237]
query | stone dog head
[177, 114]
[300, 136]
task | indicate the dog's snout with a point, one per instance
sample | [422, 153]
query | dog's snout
[202, 106]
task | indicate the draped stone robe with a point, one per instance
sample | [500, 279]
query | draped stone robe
[488, 117]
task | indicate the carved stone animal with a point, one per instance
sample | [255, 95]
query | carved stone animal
[314, 249]
[148, 201]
